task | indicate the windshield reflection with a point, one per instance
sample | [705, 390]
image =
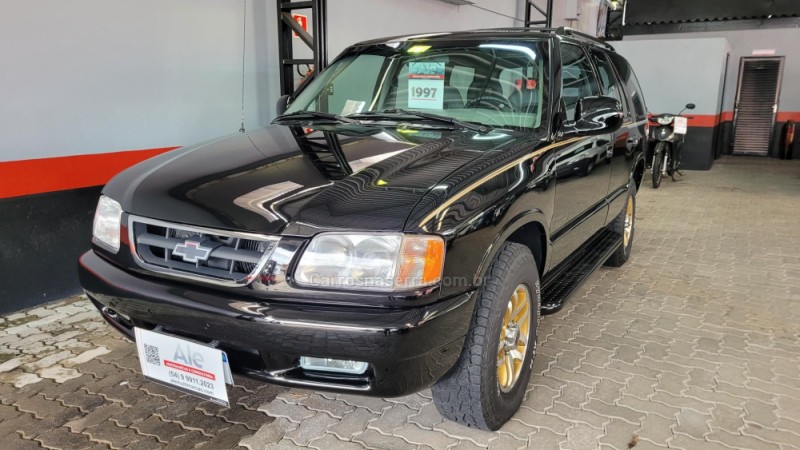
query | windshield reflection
[495, 84]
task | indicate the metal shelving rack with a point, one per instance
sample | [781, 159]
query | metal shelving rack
[547, 14]
[317, 42]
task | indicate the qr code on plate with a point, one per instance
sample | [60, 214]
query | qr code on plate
[151, 355]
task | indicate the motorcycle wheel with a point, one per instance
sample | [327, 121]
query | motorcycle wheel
[675, 161]
[658, 162]
[670, 163]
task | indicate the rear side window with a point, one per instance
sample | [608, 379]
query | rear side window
[632, 85]
[577, 78]
[611, 86]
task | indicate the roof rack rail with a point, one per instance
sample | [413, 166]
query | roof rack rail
[565, 31]
[516, 29]
[561, 31]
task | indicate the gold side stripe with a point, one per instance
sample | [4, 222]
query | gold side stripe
[491, 175]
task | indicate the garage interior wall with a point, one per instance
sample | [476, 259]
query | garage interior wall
[90, 87]
[351, 21]
[742, 43]
[675, 72]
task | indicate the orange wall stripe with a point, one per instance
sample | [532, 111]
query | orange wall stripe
[36, 176]
[703, 120]
[785, 116]
[726, 116]
[710, 120]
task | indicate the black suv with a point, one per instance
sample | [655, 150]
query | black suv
[401, 225]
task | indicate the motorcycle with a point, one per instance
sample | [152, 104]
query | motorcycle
[669, 134]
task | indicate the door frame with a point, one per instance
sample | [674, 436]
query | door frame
[781, 60]
[720, 137]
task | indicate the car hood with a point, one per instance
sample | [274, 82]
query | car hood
[267, 181]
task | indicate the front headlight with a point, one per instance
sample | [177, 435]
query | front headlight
[105, 230]
[665, 120]
[371, 261]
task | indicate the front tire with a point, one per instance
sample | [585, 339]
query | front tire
[658, 162]
[488, 383]
[674, 161]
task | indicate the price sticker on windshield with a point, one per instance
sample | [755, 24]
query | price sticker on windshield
[681, 125]
[426, 85]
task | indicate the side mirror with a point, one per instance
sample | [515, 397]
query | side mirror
[283, 104]
[595, 115]
[690, 106]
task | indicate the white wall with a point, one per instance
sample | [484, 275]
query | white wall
[785, 42]
[90, 76]
[674, 72]
[96, 76]
[350, 21]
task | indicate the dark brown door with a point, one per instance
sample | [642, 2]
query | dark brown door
[756, 105]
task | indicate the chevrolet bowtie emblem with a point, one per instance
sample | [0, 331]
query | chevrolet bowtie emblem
[192, 251]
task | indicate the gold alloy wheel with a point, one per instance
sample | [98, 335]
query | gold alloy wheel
[626, 235]
[514, 338]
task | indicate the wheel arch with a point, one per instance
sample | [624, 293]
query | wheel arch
[527, 229]
[639, 165]
[532, 235]
[638, 172]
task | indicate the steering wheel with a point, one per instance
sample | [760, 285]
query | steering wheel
[492, 101]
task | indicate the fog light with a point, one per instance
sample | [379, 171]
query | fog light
[333, 365]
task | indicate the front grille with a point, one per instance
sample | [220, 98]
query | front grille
[218, 256]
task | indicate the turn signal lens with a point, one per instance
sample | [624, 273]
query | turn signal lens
[421, 261]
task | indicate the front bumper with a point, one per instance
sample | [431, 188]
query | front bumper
[407, 349]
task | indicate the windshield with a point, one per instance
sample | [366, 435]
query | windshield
[491, 83]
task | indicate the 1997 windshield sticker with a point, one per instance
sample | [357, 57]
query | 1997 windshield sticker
[426, 85]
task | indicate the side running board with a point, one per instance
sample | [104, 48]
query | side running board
[561, 282]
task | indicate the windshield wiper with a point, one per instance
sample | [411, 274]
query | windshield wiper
[390, 113]
[305, 115]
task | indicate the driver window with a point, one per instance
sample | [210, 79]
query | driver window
[577, 78]
[611, 86]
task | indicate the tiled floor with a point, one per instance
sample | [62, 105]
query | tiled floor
[694, 344]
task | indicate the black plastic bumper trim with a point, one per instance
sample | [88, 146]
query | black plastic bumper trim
[407, 349]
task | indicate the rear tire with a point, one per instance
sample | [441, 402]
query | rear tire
[658, 162]
[487, 384]
[625, 225]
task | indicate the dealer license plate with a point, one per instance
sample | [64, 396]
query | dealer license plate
[185, 365]
[681, 125]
